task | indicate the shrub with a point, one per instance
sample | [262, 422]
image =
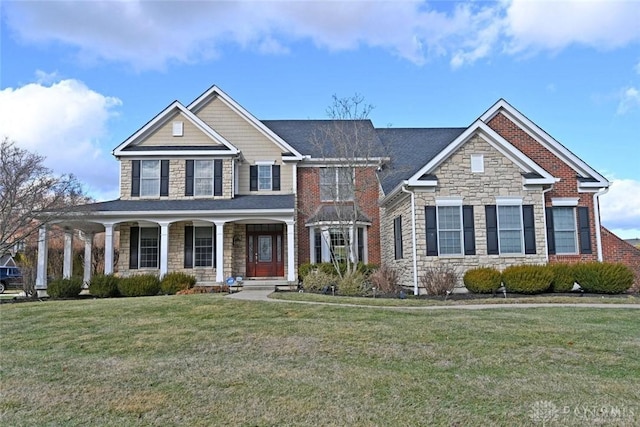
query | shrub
[104, 286]
[65, 288]
[141, 285]
[318, 280]
[604, 277]
[482, 280]
[176, 281]
[439, 280]
[563, 277]
[352, 284]
[305, 269]
[385, 279]
[527, 279]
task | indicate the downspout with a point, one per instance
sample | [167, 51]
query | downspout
[596, 214]
[544, 218]
[413, 238]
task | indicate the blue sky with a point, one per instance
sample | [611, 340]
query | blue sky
[79, 77]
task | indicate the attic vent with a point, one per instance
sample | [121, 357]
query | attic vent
[178, 129]
[477, 163]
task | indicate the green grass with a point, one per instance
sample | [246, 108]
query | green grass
[203, 360]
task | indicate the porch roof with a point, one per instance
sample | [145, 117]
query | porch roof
[248, 202]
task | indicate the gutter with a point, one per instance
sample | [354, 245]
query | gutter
[413, 237]
[596, 214]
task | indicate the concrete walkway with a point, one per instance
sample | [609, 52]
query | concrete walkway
[263, 295]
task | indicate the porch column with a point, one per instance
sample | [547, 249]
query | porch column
[164, 248]
[108, 248]
[43, 248]
[88, 246]
[291, 268]
[219, 251]
[67, 263]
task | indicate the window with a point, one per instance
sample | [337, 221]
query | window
[564, 223]
[177, 129]
[203, 177]
[150, 178]
[450, 230]
[149, 244]
[203, 246]
[264, 177]
[338, 246]
[317, 245]
[510, 234]
[397, 237]
[362, 254]
[336, 184]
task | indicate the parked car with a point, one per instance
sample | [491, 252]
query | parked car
[10, 278]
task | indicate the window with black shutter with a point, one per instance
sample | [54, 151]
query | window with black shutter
[397, 237]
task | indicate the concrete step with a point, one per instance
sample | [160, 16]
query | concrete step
[248, 285]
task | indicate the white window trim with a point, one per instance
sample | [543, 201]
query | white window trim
[335, 196]
[156, 194]
[450, 202]
[325, 232]
[576, 243]
[519, 205]
[565, 201]
[213, 166]
[140, 248]
[213, 245]
[508, 201]
[264, 165]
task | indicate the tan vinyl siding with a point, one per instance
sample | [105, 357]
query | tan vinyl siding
[253, 144]
[191, 134]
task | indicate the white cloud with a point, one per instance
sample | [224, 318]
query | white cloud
[620, 208]
[151, 34]
[629, 99]
[65, 123]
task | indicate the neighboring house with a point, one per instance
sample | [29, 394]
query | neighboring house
[210, 190]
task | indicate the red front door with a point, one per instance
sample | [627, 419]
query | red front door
[265, 251]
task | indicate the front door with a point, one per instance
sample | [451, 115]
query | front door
[265, 250]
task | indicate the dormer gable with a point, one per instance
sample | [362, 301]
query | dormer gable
[175, 131]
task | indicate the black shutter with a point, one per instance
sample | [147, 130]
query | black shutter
[432, 231]
[188, 246]
[397, 237]
[275, 177]
[584, 230]
[529, 229]
[164, 177]
[551, 238]
[188, 183]
[469, 230]
[133, 248]
[492, 229]
[253, 178]
[217, 177]
[135, 178]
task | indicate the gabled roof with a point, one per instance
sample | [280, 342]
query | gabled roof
[127, 147]
[215, 91]
[313, 137]
[588, 177]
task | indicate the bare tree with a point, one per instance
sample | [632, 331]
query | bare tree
[31, 195]
[350, 153]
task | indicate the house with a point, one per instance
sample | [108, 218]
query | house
[210, 190]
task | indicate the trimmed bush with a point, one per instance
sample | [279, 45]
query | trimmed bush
[141, 285]
[603, 277]
[527, 279]
[482, 280]
[563, 277]
[385, 279]
[439, 280]
[65, 288]
[176, 281]
[305, 269]
[317, 281]
[352, 285]
[104, 286]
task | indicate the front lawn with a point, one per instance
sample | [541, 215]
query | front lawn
[203, 360]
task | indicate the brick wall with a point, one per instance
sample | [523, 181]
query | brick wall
[566, 187]
[614, 249]
[309, 202]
